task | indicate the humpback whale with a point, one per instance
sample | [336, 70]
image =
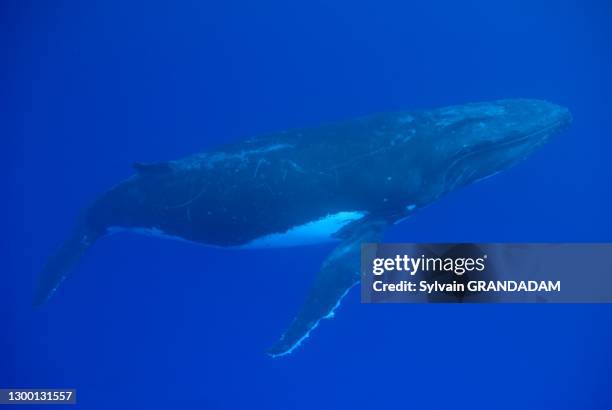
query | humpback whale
[344, 182]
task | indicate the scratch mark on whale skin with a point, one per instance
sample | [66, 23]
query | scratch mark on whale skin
[212, 159]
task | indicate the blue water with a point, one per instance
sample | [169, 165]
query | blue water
[87, 89]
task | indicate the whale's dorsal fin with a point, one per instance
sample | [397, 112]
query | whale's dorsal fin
[339, 273]
[152, 167]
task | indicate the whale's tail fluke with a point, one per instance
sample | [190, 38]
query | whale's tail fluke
[63, 261]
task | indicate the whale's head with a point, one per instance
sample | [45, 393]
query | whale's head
[475, 141]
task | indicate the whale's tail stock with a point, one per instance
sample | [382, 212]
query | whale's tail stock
[63, 261]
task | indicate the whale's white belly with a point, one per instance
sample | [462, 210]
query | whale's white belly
[310, 233]
[317, 231]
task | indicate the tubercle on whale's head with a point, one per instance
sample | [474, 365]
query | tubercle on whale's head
[475, 141]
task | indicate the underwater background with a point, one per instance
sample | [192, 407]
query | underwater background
[88, 88]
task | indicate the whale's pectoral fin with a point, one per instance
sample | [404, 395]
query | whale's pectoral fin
[339, 273]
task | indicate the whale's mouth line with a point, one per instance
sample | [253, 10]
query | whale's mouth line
[494, 146]
[487, 147]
